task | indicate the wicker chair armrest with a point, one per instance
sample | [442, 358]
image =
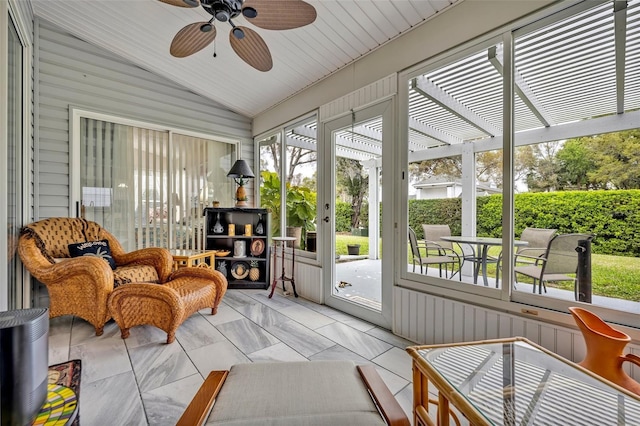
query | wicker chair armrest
[159, 258]
[96, 271]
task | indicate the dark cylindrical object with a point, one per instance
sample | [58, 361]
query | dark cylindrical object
[583, 285]
[24, 355]
[311, 241]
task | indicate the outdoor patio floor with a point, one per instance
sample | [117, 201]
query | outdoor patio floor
[365, 277]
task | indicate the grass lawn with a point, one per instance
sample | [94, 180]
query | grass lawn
[611, 276]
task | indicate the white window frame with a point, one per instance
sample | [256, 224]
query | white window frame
[541, 307]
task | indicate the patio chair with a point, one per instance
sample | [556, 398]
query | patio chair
[537, 241]
[558, 261]
[431, 253]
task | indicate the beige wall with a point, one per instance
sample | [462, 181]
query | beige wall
[463, 22]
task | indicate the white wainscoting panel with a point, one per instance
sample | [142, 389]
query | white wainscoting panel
[428, 319]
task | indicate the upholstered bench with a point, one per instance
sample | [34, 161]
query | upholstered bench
[166, 306]
[310, 393]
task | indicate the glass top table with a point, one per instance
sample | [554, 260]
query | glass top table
[515, 382]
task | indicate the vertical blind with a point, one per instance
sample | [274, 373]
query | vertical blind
[149, 187]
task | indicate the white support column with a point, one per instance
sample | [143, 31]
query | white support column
[468, 199]
[374, 167]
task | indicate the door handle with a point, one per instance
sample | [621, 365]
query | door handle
[326, 219]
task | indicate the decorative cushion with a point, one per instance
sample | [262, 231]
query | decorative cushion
[93, 248]
[135, 274]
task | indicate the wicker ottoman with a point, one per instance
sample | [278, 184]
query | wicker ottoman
[166, 306]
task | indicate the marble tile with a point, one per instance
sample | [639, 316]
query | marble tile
[307, 317]
[166, 404]
[58, 348]
[219, 356]
[367, 346]
[338, 352]
[279, 352]
[246, 335]
[390, 338]
[61, 325]
[101, 358]
[225, 314]
[299, 338]
[262, 315]
[278, 301]
[142, 335]
[405, 399]
[197, 332]
[236, 299]
[394, 382]
[83, 332]
[111, 401]
[396, 360]
[156, 365]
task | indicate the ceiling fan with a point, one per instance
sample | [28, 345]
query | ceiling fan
[248, 45]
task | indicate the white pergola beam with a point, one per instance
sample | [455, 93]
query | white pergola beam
[433, 132]
[606, 124]
[523, 90]
[425, 87]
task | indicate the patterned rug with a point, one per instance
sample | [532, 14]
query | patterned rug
[68, 374]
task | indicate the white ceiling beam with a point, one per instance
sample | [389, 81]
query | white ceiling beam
[425, 87]
[495, 56]
[620, 34]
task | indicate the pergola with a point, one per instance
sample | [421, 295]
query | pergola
[575, 77]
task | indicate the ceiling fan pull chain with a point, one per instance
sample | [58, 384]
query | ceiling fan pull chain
[214, 43]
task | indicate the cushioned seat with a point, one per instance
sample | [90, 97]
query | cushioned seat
[314, 393]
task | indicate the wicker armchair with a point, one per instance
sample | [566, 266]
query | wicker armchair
[80, 286]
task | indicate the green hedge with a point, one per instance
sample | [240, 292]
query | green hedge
[613, 216]
[343, 217]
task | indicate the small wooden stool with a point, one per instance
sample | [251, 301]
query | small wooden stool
[313, 393]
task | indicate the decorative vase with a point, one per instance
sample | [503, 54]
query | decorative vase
[217, 228]
[604, 349]
[259, 226]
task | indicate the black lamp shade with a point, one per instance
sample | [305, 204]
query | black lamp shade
[240, 170]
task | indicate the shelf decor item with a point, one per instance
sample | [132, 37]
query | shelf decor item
[240, 248]
[232, 230]
[259, 226]
[218, 228]
[240, 270]
[240, 172]
[257, 247]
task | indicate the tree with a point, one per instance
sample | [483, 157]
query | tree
[352, 179]
[542, 176]
[575, 161]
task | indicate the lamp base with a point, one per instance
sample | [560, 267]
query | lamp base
[241, 203]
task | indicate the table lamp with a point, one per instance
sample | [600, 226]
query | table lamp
[240, 172]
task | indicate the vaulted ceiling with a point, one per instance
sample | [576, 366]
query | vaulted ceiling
[141, 31]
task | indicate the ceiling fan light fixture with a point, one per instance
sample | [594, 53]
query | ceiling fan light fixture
[205, 28]
[222, 15]
[192, 3]
[249, 12]
[238, 33]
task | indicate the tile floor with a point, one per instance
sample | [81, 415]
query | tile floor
[142, 380]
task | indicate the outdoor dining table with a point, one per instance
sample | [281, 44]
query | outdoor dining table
[479, 252]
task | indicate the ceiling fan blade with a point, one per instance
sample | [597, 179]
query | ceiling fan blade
[252, 49]
[191, 39]
[279, 14]
[182, 3]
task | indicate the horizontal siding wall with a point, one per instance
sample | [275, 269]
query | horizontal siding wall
[72, 72]
[427, 319]
[308, 277]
